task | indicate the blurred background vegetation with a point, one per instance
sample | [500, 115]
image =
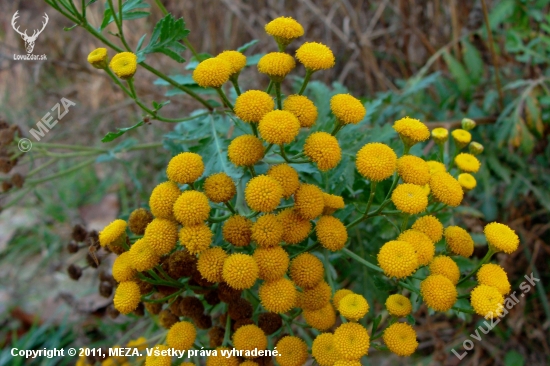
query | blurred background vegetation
[432, 60]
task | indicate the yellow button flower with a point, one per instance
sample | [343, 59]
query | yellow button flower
[306, 270]
[320, 319]
[295, 228]
[302, 108]
[438, 292]
[237, 230]
[279, 127]
[276, 65]
[263, 193]
[185, 168]
[245, 150]
[272, 262]
[413, 169]
[467, 163]
[235, 58]
[400, 339]
[445, 266]
[353, 307]
[212, 72]
[467, 181]
[191, 208]
[315, 56]
[398, 305]
[347, 109]
[409, 198]
[323, 149]
[352, 341]
[249, 338]
[287, 177]
[430, 226]
[163, 198]
[124, 65]
[252, 105]
[98, 58]
[127, 297]
[459, 241]
[411, 130]
[494, 275]
[292, 351]
[421, 243]
[461, 137]
[284, 30]
[196, 238]
[323, 350]
[487, 301]
[267, 231]
[501, 238]
[210, 264]
[331, 233]
[278, 296]
[309, 201]
[440, 135]
[376, 161]
[397, 259]
[181, 336]
[446, 189]
[219, 188]
[240, 271]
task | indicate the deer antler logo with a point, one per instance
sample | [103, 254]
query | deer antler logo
[29, 40]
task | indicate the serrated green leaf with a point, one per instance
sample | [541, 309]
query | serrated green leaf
[120, 131]
[473, 61]
[459, 73]
[502, 10]
[246, 46]
[166, 37]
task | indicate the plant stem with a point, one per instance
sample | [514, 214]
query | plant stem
[278, 94]
[252, 171]
[267, 149]
[224, 98]
[62, 173]
[405, 222]
[235, 85]
[493, 54]
[254, 128]
[227, 331]
[230, 207]
[354, 256]
[269, 87]
[161, 7]
[485, 259]
[462, 310]
[337, 128]
[306, 81]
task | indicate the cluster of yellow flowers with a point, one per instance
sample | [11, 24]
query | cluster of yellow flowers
[180, 252]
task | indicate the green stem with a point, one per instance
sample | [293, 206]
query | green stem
[267, 149]
[485, 259]
[230, 207]
[406, 286]
[118, 22]
[175, 294]
[161, 7]
[328, 272]
[442, 153]
[405, 222]
[307, 249]
[62, 173]
[337, 128]
[393, 184]
[269, 87]
[354, 256]
[462, 310]
[252, 171]
[227, 333]
[235, 85]
[371, 196]
[306, 81]
[224, 98]
[278, 93]
[254, 128]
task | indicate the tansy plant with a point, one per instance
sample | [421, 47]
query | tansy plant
[242, 245]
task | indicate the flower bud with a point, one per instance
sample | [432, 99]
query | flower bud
[440, 135]
[72, 247]
[74, 272]
[105, 289]
[98, 58]
[475, 148]
[468, 124]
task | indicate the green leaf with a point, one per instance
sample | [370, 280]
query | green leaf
[120, 131]
[127, 13]
[193, 62]
[410, 319]
[500, 12]
[376, 323]
[514, 358]
[459, 73]
[166, 37]
[254, 59]
[474, 62]
[381, 284]
[246, 46]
